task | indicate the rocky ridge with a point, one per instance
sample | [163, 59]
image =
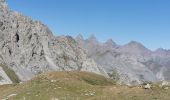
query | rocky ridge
[133, 62]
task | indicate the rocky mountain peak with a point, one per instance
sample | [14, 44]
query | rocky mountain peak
[3, 7]
[79, 37]
[135, 43]
[162, 52]
[92, 39]
[136, 46]
[110, 42]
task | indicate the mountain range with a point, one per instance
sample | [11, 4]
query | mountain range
[133, 62]
[29, 48]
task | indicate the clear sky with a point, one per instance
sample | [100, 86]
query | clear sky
[145, 21]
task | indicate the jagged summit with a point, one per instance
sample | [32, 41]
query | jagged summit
[133, 61]
[161, 50]
[3, 7]
[135, 43]
[80, 37]
[136, 49]
[110, 42]
[92, 38]
[135, 46]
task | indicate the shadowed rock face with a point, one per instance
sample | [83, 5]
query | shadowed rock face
[133, 62]
[28, 47]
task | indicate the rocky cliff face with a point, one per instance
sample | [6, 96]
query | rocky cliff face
[28, 48]
[133, 62]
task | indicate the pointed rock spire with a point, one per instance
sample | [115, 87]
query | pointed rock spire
[135, 44]
[161, 51]
[79, 37]
[110, 42]
[136, 48]
[3, 6]
[92, 38]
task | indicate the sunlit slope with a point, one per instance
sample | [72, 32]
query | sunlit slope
[79, 86]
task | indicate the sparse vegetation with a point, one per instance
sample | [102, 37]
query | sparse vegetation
[114, 75]
[11, 74]
[1, 77]
[79, 86]
[97, 80]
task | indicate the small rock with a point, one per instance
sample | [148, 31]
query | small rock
[53, 81]
[11, 95]
[92, 94]
[148, 86]
[86, 94]
[165, 83]
[54, 99]
[166, 88]
[24, 98]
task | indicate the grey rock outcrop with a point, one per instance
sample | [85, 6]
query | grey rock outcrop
[28, 47]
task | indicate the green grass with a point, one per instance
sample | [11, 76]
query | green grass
[10, 73]
[94, 79]
[79, 86]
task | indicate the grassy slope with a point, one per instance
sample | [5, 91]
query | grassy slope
[80, 86]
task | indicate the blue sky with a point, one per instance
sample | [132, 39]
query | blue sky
[145, 21]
